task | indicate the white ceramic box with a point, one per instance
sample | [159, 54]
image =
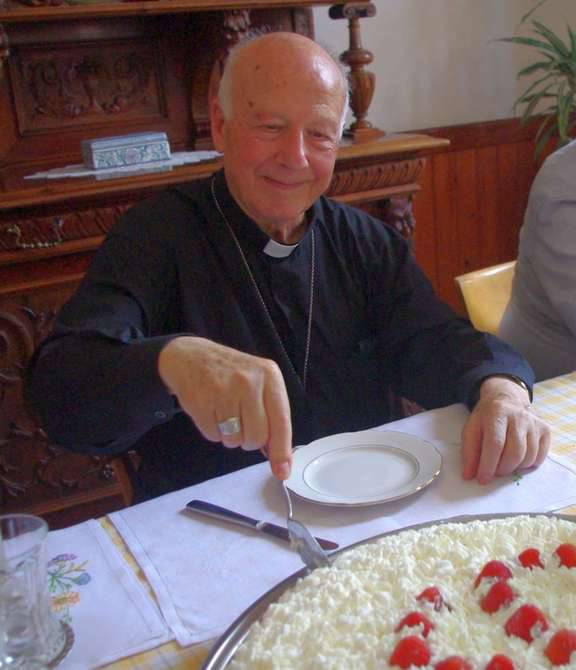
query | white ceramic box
[134, 149]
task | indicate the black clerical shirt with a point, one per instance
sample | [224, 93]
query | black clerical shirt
[171, 267]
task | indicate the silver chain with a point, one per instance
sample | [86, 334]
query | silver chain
[259, 294]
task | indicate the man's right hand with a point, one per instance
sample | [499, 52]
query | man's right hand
[213, 383]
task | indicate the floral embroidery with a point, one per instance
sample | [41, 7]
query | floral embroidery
[64, 574]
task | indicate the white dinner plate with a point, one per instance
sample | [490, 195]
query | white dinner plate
[363, 468]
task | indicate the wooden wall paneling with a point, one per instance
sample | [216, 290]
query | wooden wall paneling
[467, 209]
[424, 208]
[473, 202]
[448, 246]
[510, 202]
[490, 214]
[529, 168]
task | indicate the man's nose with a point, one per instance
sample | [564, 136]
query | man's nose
[293, 151]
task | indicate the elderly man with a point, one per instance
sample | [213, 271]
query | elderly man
[250, 311]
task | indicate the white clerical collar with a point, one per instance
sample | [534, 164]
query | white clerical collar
[277, 250]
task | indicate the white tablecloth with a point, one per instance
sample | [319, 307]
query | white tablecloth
[205, 572]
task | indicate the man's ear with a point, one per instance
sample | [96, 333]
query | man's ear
[217, 123]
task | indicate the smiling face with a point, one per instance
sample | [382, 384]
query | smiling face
[280, 136]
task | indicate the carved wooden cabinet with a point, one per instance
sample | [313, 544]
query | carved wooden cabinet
[76, 71]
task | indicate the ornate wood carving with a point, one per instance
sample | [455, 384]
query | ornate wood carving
[397, 212]
[376, 176]
[303, 21]
[4, 49]
[31, 469]
[236, 25]
[48, 231]
[220, 32]
[41, 3]
[58, 87]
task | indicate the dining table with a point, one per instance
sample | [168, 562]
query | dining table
[154, 586]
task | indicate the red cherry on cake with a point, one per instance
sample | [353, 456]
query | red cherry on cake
[453, 663]
[495, 569]
[561, 646]
[500, 662]
[530, 558]
[416, 619]
[411, 650]
[432, 595]
[567, 555]
[527, 622]
[499, 595]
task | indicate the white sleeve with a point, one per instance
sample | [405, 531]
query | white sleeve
[551, 242]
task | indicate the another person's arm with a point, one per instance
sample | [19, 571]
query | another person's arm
[551, 246]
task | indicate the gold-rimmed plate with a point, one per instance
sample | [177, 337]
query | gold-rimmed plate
[367, 467]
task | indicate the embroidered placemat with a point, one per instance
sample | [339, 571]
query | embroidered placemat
[87, 574]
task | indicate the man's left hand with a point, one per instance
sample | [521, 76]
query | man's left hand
[502, 434]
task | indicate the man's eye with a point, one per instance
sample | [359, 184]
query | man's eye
[322, 138]
[321, 135]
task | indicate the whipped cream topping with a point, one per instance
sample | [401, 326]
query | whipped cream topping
[345, 616]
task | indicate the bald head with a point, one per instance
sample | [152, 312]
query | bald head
[278, 121]
[275, 61]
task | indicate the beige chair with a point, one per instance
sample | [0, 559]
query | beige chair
[486, 293]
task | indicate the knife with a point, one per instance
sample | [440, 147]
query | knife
[217, 512]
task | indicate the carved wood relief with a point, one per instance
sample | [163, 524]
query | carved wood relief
[4, 48]
[219, 33]
[303, 22]
[32, 470]
[374, 177]
[48, 231]
[63, 87]
[41, 3]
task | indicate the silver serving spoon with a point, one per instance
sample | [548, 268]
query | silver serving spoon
[302, 539]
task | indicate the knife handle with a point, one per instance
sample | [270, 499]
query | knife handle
[217, 512]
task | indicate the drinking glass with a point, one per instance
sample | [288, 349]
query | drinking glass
[31, 636]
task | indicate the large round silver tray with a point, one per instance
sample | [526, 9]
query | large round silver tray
[225, 647]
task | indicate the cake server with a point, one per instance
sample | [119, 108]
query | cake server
[217, 512]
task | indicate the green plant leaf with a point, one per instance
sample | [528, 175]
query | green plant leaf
[529, 42]
[529, 14]
[556, 42]
[545, 132]
[532, 104]
[530, 92]
[572, 35]
[565, 106]
[548, 119]
[566, 68]
[539, 65]
[554, 71]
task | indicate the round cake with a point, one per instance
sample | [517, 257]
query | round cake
[495, 594]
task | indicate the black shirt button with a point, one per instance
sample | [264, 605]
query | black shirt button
[159, 414]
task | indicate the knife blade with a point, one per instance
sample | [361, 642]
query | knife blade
[217, 512]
